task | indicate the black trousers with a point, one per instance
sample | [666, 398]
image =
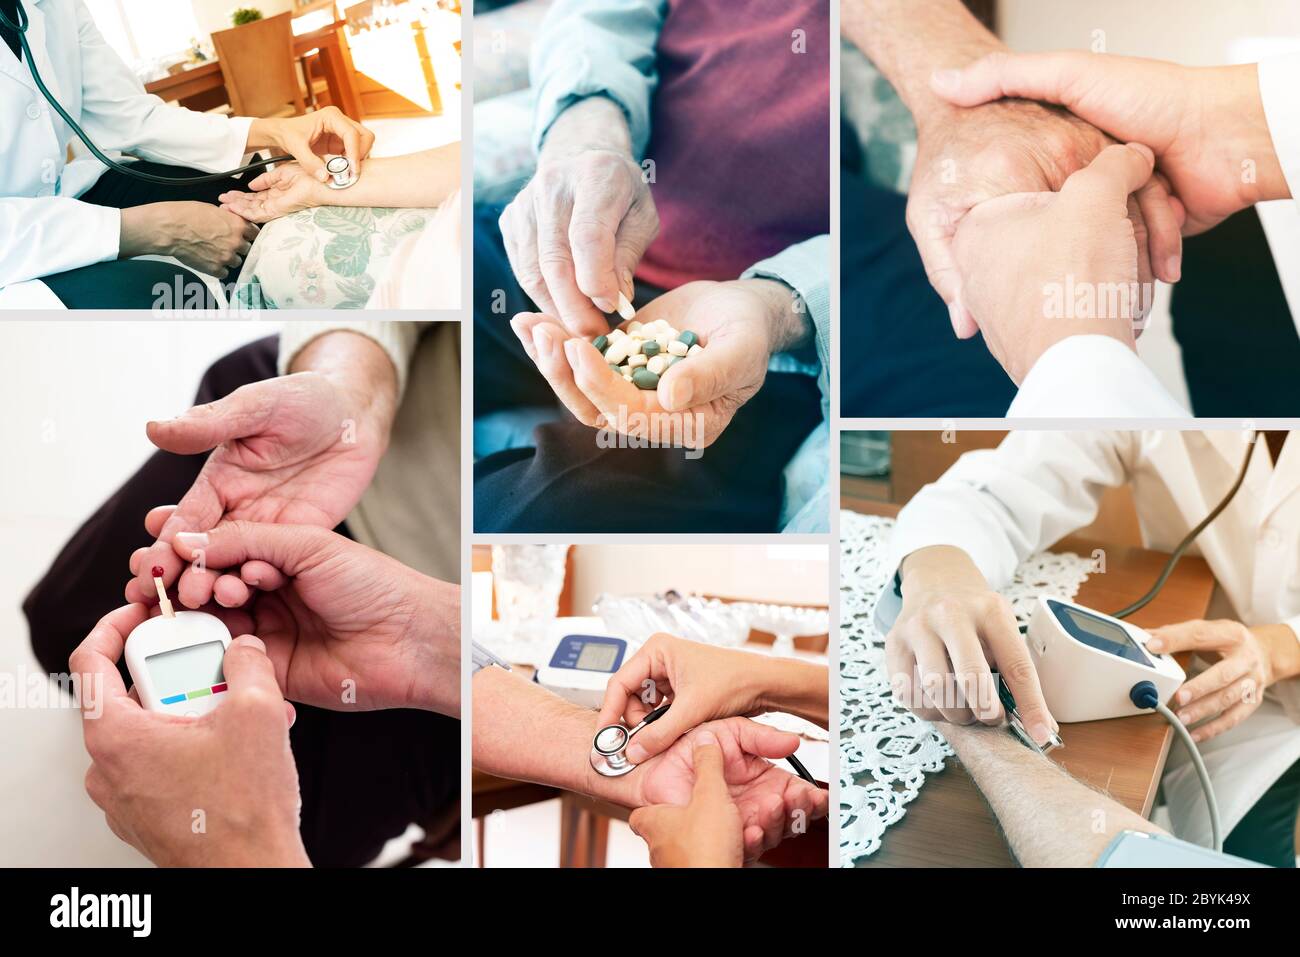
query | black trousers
[364, 776]
[558, 484]
[131, 283]
[1267, 833]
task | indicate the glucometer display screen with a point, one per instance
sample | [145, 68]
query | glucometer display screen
[597, 656]
[188, 672]
[1100, 633]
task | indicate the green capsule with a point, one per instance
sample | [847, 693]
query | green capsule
[689, 338]
[643, 378]
[649, 348]
[601, 343]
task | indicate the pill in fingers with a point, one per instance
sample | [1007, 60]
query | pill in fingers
[645, 351]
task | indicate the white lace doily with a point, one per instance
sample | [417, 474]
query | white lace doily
[885, 750]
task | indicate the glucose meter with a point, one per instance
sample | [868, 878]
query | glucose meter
[1088, 663]
[175, 663]
[340, 172]
[580, 667]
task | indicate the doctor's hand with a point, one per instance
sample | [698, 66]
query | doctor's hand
[705, 682]
[952, 626]
[1205, 124]
[1229, 691]
[707, 832]
[211, 240]
[308, 138]
[577, 231]
[165, 783]
[967, 157]
[345, 627]
[278, 192]
[740, 323]
[1042, 267]
[298, 449]
[773, 803]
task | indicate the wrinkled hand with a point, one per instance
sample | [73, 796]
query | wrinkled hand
[740, 325]
[773, 803]
[1231, 689]
[298, 449]
[576, 232]
[707, 832]
[966, 157]
[210, 240]
[346, 627]
[1204, 125]
[278, 192]
[165, 783]
[1041, 267]
[313, 135]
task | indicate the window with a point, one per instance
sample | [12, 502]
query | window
[145, 31]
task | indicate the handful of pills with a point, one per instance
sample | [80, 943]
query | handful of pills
[641, 353]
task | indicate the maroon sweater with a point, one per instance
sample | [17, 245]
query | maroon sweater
[740, 136]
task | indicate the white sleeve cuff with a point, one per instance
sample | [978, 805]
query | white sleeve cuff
[1279, 78]
[1093, 376]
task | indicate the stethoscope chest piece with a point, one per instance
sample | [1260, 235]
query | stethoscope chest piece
[340, 173]
[607, 751]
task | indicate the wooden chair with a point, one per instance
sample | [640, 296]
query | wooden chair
[259, 68]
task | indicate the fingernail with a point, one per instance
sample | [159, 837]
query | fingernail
[1145, 150]
[321, 175]
[1040, 733]
[947, 80]
[955, 317]
[1183, 696]
[604, 305]
[571, 351]
[542, 342]
[1156, 645]
[1175, 268]
[705, 737]
[192, 539]
[250, 641]
[1181, 716]
[680, 391]
[635, 753]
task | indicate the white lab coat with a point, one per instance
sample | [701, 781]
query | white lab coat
[44, 229]
[1096, 376]
[1001, 505]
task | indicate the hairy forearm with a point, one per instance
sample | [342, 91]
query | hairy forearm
[524, 732]
[908, 39]
[592, 124]
[1049, 819]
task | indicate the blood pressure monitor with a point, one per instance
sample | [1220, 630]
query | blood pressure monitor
[176, 663]
[581, 665]
[1088, 662]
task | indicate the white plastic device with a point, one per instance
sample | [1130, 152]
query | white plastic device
[176, 663]
[581, 662]
[1088, 662]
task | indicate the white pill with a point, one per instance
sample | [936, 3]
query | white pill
[675, 346]
[633, 327]
[657, 364]
[634, 345]
[637, 360]
[615, 335]
[624, 307]
[663, 339]
[694, 349]
[617, 351]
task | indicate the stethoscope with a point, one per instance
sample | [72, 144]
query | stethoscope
[340, 177]
[609, 747]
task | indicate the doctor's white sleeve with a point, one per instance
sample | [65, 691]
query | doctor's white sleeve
[1279, 79]
[52, 234]
[1091, 376]
[1001, 505]
[119, 115]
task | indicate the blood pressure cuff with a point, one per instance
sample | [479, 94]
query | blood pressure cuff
[1140, 849]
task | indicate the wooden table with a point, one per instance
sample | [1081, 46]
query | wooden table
[205, 85]
[949, 824]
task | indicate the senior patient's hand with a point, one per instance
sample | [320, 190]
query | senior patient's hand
[1231, 689]
[297, 449]
[577, 231]
[220, 790]
[278, 192]
[1041, 267]
[773, 803]
[1206, 125]
[965, 157]
[740, 323]
[707, 832]
[346, 627]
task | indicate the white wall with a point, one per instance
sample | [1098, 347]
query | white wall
[213, 15]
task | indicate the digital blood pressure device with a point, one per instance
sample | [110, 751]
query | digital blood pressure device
[176, 663]
[580, 667]
[1088, 663]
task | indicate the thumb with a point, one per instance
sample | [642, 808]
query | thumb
[204, 427]
[710, 781]
[1114, 174]
[659, 736]
[290, 548]
[1033, 76]
[635, 234]
[249, 673]
[299, 148]
[652, 820]
[708, 375]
